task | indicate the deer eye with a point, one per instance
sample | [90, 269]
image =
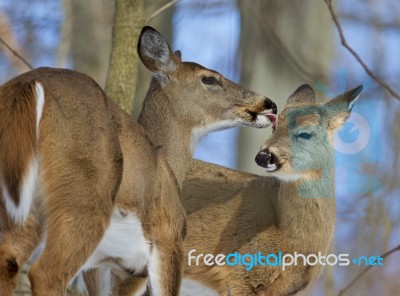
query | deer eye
[305, 136]
[12, 266]
[209, 80]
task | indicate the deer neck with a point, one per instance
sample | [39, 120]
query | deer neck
[307, 213]
[165, 130]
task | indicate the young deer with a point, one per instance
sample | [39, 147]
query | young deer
[229, 211]
[100, 190]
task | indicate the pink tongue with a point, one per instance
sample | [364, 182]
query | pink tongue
[273, 118]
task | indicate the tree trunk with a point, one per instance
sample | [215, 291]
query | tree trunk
[122, 72]
[90, 35]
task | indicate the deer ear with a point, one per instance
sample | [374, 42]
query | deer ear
[178, 55]
[303, 94]
[340, 107]
[155, 52]
[348, 98]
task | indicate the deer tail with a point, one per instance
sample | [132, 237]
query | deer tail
[21, 106]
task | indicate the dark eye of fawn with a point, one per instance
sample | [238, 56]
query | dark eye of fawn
[209, 80]
[304, 136]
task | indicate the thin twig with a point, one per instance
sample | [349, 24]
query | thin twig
[382, 83]
[387, 254]
[166, 6]
[16, 54]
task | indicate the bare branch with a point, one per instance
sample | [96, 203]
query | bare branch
[157, 12]
[374, 21]
[387, 254]
[16, 54]
[382, 83]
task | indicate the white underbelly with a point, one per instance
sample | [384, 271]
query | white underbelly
[123, 241]
[191, 287]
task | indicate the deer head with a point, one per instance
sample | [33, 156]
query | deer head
[302, 142]
[201, 99]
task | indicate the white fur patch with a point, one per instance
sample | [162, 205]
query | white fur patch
[261, 121]
[271, 167]
[199, 132]
[288, 177]
[194, 288]
[351, 105]
[124, 240]
[154, 272]
[39, 105]
[27, 193]
[106, 280]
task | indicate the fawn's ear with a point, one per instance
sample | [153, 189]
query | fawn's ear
[340, 107]
[303, 94]
[155, 52]
[178, 55]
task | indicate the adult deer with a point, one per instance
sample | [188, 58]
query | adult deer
[98, 189]
[229, 211]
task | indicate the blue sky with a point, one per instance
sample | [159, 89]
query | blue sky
[211, 39]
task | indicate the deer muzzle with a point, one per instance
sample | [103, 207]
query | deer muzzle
[266, 160]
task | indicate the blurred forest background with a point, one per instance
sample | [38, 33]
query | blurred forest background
[272, 47]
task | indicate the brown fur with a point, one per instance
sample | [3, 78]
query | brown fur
[16, 244]
[230, 211]
[242, 213]
[170, 114]
[70, 185]
[95, 159]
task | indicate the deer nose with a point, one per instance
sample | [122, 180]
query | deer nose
[263, 158]
[269, 104]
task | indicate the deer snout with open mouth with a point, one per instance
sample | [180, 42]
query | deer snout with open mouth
[260, 115]
[269, 113]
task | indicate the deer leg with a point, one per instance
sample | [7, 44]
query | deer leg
[100, 281]
[91, 279]
[69, 243]
[16, 247]
[62, 257]
[165, 269]
[79, 203]
[132, 286]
